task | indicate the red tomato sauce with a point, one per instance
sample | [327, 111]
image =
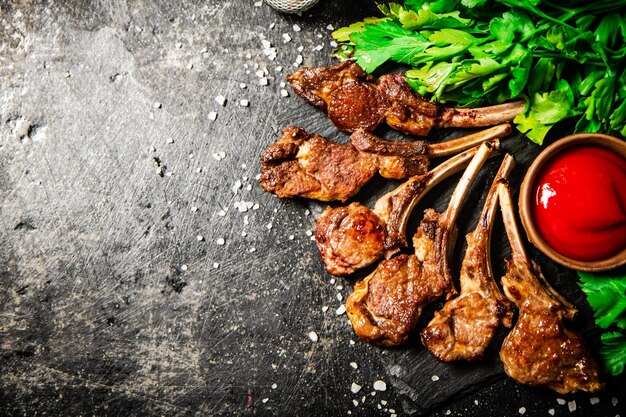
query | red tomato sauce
[580, 204]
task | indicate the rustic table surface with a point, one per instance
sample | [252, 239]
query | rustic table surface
[142, 269]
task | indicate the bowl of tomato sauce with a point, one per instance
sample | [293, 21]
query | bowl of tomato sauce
[573, 202]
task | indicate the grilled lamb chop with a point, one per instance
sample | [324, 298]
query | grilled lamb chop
[465, 326]
[352, 99]
[354, 236]
[386, 305]
[306, 165]
[540, 350]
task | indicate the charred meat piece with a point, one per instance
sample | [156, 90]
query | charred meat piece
[300, 164]
[352, 99]
[387, 304]
[540, 350]
[354, 236]
[465, 326]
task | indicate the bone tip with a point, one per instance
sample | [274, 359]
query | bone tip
[493, 145]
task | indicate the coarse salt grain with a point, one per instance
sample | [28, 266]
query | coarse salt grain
[286, 38]
[309, 233]
[220, 241]
[614, 401]
[324, 309]
[291, 237]
[184, 267]
[313, 336]
[199, 238]
[244, 103]
[244, 233]
[296, 28]
[571, 406]
[434, 378]
[212, 116]
[355, 402]
[352, 342]
[194, 209]
[157, 105]
[299, 59]
[221, 100]
[264, 400]
[216, 265]
[341, 310]
[594, 400]
[522, 410]
[380, 385]
[243, 85]
[274, 386]
[560, 401]
[264, 81]
[354, 388]
[269, 226]
[252, 249]
[284, 93]
[354, 365]
[330, 27]
[551, 411]
[383, 402]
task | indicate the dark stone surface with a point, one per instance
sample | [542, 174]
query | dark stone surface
[112, 305]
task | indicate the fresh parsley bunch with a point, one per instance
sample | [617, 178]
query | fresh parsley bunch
[567, 59]
[607, 297]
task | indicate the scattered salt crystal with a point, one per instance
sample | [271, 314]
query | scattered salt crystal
[249, 187]
[264, 400]
[194, 209]
[383, 402]
[522, 410]
[391, 410]
[333, 44]
[299, 59]
[264, 81]
[286, 38]
[252, 249]
[269, 226]
[308, 233]
[352, 342]
[244, 233]
[274, 386]
[272, 25]
[258, 3]
[212, 116]
[594, 400]
[339, 287]
[266, 44]
[296, 28]
[319, 47]
[157, 105]
[313, 336]
[380, 385]
[291, 237]
[220, 241]
[184, 267]
[614, 401]
[393, 415]
[435, 378]
[245, 220]
[354, 365]
[380, 407]
[330, 27]
[284, 93]
[307, 212]
[354, 388]
[237, 186]
[255, 206]
[170, 140]
[244, 103]
[561, 401]
[341, 310]
[190, 66]
[221, 100]
[339, 297]
[242, 85]
[332, 281]
[571, 406]
[199, 238]
[551, 411]
[355, 402]
[278, 69]
[179, 45]
[216, 265]
[324, 309]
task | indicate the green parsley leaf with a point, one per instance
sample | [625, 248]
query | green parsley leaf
[607, 297]
[614, 352]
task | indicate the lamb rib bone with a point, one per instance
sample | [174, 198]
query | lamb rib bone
[354, 236]
[540, 350]
[352, 99]
[465, 326]
[386, 305]
[310, 166]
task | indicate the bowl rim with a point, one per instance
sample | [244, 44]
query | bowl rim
[527, 195]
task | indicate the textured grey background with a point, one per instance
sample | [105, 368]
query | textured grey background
[111, 169]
